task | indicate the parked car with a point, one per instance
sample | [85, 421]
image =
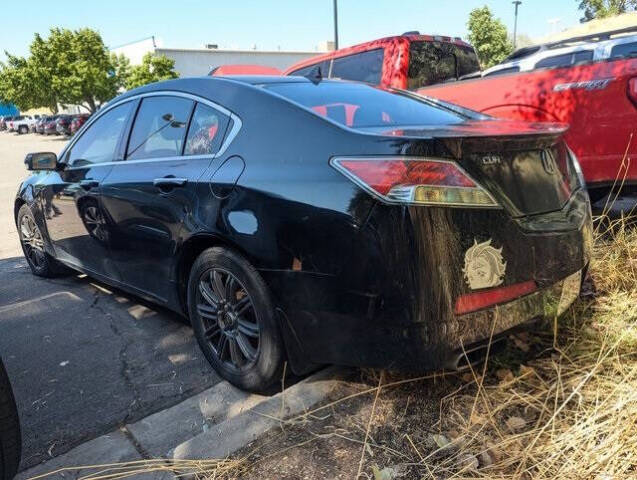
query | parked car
[407, 61]
[588, 82]
[22, 124]
[63, 124]
[78, 121]
[10, 122]
[50, 125]
[10, 438]
[39, 125]
[33, 126]
[4, 122]
[356, 226]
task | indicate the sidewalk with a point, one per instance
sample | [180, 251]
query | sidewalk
[211, 425]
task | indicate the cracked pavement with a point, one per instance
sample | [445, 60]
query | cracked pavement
[83, 358]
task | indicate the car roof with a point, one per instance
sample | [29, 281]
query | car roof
[600, 43]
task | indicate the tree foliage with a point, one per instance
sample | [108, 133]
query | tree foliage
[489, 37]
[154, 68]
[605, 8]
[74, 67]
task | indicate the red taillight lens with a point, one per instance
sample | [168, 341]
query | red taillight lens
[632, 90]
[472, 302]
[415, 180]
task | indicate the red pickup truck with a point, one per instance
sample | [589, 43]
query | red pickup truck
[407, 61]
[587, 82]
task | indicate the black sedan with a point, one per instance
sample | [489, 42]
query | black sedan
[314, 221]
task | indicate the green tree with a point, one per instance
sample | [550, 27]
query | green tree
[605, 8]
[83, 74]
[489, 37]
[69, 67]
[121, 70]
[154, 68]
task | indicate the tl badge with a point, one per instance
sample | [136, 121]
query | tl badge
[484, 266]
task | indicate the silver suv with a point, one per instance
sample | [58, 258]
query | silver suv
[573, 51]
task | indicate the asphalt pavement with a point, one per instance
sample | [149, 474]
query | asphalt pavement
[83, 358]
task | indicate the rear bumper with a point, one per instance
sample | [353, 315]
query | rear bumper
[392, 306]
[318, 336]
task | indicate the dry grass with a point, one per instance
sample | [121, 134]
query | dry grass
[573, 413]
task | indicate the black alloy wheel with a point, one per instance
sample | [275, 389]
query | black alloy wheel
[32, 242]
[230, 322]
[234, 320]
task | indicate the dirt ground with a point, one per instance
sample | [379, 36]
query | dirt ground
[328, 442]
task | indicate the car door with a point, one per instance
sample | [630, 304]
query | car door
[148, 195]
[70, 197]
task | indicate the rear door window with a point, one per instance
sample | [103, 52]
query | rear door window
[160, 127]
[438, 62]
[361, 67]
[625, 50]
[206, 131]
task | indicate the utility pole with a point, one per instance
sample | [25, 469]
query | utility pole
[335, 24]
[515, 24]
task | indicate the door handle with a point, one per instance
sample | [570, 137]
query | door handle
[88, 184]
[169, 182]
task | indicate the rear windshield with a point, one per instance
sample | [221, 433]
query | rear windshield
[361, 106]
[439, 62]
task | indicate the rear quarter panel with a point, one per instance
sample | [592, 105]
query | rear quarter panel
[602, 118]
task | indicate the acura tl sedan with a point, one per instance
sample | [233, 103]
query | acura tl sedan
[314, 221]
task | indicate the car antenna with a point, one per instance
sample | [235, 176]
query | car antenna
[315, 75]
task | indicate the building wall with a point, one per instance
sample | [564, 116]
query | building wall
[8, 110]
[191, 63]
[135, 51]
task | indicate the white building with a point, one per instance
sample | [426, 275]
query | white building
[191, 62]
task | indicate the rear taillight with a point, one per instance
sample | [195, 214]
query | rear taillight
[632, 90]
[422, 181]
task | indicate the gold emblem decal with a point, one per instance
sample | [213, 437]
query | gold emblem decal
[484, 266]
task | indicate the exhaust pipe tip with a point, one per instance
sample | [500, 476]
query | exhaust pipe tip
[473, 355]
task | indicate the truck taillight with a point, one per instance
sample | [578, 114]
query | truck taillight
[409, 180]
[632, 90]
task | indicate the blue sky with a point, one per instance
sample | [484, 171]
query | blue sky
[268, 24]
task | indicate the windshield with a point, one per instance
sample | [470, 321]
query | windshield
[359, 106]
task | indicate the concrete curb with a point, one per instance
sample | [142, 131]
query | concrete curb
[212, 424]
[227, 437]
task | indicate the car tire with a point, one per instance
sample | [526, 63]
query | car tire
[32, 241]
[22, 129]
[229, 304]
[10, 438]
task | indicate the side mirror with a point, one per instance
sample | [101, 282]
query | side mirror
[41, 161]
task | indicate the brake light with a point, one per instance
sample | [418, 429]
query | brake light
[472, 302]
[423, 181]
[632, 90]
